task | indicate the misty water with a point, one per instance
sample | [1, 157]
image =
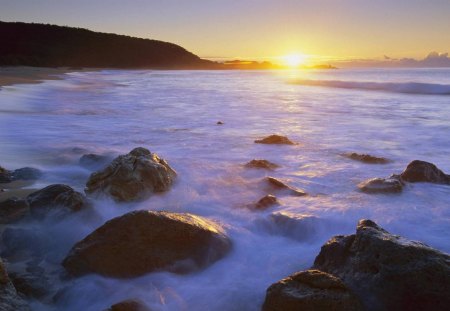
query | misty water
[398, 114]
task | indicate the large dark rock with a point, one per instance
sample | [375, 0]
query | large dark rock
[25, 173]
[143, 241]
[13, 209]
[277, 184]
[388, 272]
[275, 140]
[310, 290]
[366, 158]
[56, 198]
[9, 299]
[129, 305]
[421, 171]
[132, 177]
[382, 185]
[260, 163]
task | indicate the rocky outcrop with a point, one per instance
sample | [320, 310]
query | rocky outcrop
[266, 202]
[382, 185]
[9, 299]
[13, 209]
[25, 173]
[56, 198]
[129, 305]
[366, 158]
[421, 171]
[310, 290]
[388, 272]
[275, 140]
[277, 184]
[132, 177]
[260, 163]
[143, 241]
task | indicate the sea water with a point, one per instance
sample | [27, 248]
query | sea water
[401, 114]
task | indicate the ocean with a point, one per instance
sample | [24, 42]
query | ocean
[399, 114]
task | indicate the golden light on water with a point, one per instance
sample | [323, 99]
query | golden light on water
[294, 60]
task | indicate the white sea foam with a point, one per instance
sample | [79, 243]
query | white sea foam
[174, 114]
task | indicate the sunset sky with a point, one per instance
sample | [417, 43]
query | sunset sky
[259, 29]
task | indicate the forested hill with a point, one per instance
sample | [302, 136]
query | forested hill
[41, 45]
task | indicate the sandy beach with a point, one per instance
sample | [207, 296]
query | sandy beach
[23, 74]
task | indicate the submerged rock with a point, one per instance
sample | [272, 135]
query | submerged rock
[381, 185]
[299, 227]
[129, 305]
[13, 209]
[220, 123]
[310, 290]
[275, 140]
[279, 185]
[132, 177]
[388, 272]
[266, 202]
[366, 158]
[9, 299]
[143, 241]
[260, 163]
[93, 161]
[56, 198]
[421, 171]
[25, 173]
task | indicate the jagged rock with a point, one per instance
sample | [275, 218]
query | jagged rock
[381, 185]
[257, 163]
[366, 158]
[279, 185]
[388, 272]
[132, 177]
[25, 173]
[93, 161]
[56, 198]
[143, 241]
[421, 171]
[129, 305]
[9, 299]
[310, 290]
[266, 202]
[12, 210]
[275, 140]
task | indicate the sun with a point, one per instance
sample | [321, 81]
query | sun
[294, 60]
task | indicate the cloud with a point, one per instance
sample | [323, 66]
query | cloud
[433, 59]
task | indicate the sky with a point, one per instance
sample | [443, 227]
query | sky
[259, 29]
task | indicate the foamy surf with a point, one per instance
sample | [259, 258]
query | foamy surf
[395, 87]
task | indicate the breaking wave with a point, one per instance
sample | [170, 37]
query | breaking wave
[396, 87]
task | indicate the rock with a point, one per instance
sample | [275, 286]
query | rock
[144, 241]
[57, 199]
[299, 227]
[381, 185]
[12, 210]
[9, 299]
[257, 163]
[15, 240]
[421, 171]
[25, 173]
[388, 272]
[129, 305]
[266, 202]
[220, 123]
[275, 140]
[279, 185]
[132, 177]
[366, 158]
[31, 285]
[310, 290]
[93, 161]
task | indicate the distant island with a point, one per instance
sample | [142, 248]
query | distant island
[44, 45]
